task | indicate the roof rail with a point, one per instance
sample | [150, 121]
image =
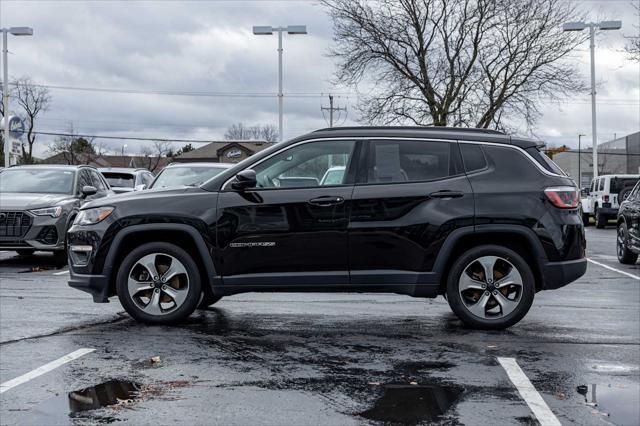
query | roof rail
[419, 128]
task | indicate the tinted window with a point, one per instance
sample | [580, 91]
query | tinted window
[185, 176]
[545, 161]
[305, 165]
[409, 161]
[473, 157]
[601, 187]
[119, 180]
[84, 179]
[97, 181]
[43, 181]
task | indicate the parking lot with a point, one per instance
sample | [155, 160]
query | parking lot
[322, 358]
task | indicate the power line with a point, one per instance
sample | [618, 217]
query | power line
[131, 138]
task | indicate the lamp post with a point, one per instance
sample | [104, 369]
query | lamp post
[290, 29]
[579, 26]
[580, 161]
[16, 31]
[124, 161]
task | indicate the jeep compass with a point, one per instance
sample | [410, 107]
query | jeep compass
[480, 217]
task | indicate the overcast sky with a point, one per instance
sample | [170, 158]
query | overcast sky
[206, 47]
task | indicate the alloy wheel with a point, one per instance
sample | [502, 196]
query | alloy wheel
[490, 287]
[158, 283]
[621, 242]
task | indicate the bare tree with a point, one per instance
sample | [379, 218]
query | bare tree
[34, 100]
[242, 132]
[238, 132]
[633, 42]
[75, 149]
[441, 62]
[155, 154]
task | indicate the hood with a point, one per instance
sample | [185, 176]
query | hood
[116, 199]
[29, 201]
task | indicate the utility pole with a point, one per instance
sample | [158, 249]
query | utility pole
[332, 109]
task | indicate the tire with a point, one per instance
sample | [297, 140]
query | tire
[601, 220]
[25, 252]
[624, 193]
[586, 219]
[180, 293]
[505, 261]
[208, 301]
[625, 256]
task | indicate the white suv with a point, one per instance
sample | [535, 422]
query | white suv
[605, 195]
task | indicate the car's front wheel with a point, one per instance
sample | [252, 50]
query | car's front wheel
[625, 256]
[490, 287]
[159, 283]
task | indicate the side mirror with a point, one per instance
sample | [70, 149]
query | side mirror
[89, 190]
[244, 179]
[140, 187]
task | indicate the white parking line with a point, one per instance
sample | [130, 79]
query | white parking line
[635, 277]
[44, 369]
[61, 272]
[529, 393]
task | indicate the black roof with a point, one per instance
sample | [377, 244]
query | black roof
[453, 133]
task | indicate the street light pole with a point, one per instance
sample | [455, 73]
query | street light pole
[580, 161]
[16, 31]
[290, 29]
[579, 26]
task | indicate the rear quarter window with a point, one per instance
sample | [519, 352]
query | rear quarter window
[473, 157]
[546, 162]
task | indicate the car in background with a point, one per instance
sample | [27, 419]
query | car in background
[123, 179]
[187, 174]
[38, 204]
[604, 197]
[333, 176]
[628, 238]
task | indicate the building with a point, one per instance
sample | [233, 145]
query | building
[151, 163]
[619, 156]
[223, 151]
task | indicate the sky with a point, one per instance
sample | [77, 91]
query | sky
[189, 69]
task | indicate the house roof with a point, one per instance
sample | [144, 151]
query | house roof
[211, 150]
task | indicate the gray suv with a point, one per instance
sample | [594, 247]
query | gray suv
[38, 203]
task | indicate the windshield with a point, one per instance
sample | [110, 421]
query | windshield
[120, 180]
[185, 176]
[42, 181]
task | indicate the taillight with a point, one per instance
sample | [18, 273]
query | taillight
[605, 198]
[563, 197]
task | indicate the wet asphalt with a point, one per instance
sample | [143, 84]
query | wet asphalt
[319, 358]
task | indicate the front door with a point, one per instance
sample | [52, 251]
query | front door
[291, 229]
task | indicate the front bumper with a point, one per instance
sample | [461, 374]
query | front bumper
[44, 233]
[559, 274]
[96, 285]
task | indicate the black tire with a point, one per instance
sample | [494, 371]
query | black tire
[625, 256]
[208, 300]
[601, 220]
[191, 299]
[457, 303]
[25, 252]
[586, 219]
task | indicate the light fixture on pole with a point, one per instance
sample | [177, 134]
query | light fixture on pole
[290, 29]
[579, 26]
[16, 31]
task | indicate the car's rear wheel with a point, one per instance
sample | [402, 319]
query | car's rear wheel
[25, 252]
[490, 287]
[601, 220]
[159, 283]
[625, 256]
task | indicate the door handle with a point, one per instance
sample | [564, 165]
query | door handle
[446, 194]
[326, 201]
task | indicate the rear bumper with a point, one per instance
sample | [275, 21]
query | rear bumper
[96, 285]
[608, 211]
[559, 274]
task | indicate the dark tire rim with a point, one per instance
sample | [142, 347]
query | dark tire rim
[158, 284]
[490, 287]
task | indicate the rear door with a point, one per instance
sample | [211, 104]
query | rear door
[410, 195]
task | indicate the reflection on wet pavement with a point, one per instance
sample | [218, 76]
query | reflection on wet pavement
[410, 404]
[619, 404]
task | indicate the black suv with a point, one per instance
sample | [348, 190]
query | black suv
[628, 241]
[478, 216]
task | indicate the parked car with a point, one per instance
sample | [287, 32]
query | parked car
[39, 203]
[628, 238]
[479, 216]
[604, 197]
[187, 174]
[333, 175]
[123, 179]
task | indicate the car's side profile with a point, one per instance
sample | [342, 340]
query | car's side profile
[38, 203]
[628, 236]
[478, 216]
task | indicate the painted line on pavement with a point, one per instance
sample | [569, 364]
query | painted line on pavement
[635, 277]
[44, 369]
[61, 272]
[529, 393]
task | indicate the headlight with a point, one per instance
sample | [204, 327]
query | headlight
[93, 216]
[48, 211]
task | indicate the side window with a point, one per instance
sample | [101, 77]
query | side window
[410, 161]
[97, 181]
[601, 187]
[593, 185]
[147, 178]
[473, 157]
[308, 165]
[84, 180]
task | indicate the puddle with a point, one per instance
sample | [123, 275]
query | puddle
[412, 403]
[60, 409]
[618, 403]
